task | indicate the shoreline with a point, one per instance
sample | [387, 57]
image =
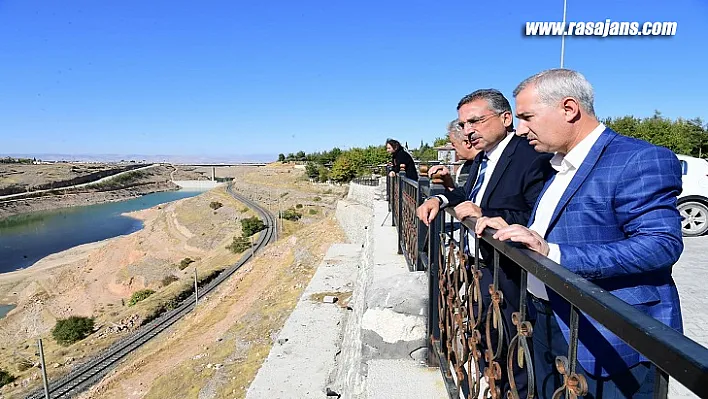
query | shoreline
[53, 202]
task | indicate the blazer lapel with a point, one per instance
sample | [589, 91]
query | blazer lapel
[504, 161]
[587, 166]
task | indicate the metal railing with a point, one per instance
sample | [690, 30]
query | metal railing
[459, 328]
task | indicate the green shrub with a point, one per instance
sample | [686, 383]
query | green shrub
[244, 209]
[298, 206]
[291, 214]
[327, 191]
[6, 378]
[73, 329]
[239, 244]
[317, 199]
[215, 205]
[251, 226]
[313, 211]
[139, 296]
[184, 263]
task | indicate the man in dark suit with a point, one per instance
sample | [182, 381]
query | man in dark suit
[609, 215]
[505, 180]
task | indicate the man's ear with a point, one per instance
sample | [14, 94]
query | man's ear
[571, 108]
[507, 119]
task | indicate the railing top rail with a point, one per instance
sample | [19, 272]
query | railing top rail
[409, 181]
[679, 356]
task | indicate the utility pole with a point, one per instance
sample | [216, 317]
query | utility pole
[565, 7]
[196, 293]
[44, 369]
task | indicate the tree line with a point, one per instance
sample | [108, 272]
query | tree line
[343, 165]
[682, 136]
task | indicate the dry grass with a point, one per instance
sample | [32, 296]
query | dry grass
[234, 328]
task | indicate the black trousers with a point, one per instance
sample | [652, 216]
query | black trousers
[549, 342]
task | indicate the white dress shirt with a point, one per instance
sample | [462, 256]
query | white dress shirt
[566, 166]
[493, 156]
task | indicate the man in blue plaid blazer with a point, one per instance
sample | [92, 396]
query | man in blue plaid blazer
[609, 215]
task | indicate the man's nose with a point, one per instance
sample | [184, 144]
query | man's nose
[469, 129]
[522, 129]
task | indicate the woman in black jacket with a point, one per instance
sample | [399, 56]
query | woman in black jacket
[400, 156]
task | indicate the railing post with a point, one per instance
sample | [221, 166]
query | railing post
[436, 227]
[388, 188]
[423, 187]
[399, 206]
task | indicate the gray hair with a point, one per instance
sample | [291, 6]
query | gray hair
[454, 130]
[555, 84]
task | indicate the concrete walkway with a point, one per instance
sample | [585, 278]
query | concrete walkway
[689, 274]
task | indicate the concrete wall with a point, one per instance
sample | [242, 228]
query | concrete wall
[366, 195]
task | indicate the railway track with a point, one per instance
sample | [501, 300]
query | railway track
[89, 373]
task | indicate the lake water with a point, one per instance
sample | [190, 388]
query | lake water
[25, 239]
[5, 309]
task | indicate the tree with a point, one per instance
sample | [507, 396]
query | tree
[440, 141]
[73, 329]
[300, 156]
[251, 226]
[344, 169]
[281, 157]
[680, 136]
[323, 174]
[311, 170]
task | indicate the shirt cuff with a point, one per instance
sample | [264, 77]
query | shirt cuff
[554, 253]
[443, 200]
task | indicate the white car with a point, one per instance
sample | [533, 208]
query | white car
[693, 201]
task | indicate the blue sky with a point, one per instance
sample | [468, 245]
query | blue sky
[237, 77]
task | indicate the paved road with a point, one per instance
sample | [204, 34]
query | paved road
[5, 197]
[691, 276]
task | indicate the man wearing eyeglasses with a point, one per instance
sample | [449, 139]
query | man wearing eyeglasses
[505, 180]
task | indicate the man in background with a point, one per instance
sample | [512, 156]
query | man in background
[464, 150]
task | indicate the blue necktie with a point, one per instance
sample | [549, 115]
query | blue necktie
[472, 197]
[480, 179]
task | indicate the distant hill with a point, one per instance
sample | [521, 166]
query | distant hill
[236, 158]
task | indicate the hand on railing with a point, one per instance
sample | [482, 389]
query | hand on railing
[428, 210]
[468, 209]
[440, 174]
[516, 232]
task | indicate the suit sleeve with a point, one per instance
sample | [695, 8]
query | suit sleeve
[533, 182]
[455, 197]
[645, 208]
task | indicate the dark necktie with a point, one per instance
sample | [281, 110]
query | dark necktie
[480, 179]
